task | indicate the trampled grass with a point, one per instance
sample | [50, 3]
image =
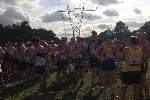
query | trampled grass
[69, 90]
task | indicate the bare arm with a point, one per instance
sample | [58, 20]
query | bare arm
[2, 53]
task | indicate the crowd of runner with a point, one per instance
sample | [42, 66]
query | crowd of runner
[103, 58]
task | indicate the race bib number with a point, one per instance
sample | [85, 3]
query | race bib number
[63, 57]
[40, 61]
[79, 56]
[135, 61]
[109, 56]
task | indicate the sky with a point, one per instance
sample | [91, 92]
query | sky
[44, 14]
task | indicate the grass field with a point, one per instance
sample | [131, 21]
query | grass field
[56, 90]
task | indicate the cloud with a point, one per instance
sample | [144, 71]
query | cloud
[134, 24]
[104, 26]
[16, 2]
[106, 2]
[20, 3]
[110, 13]
[137, 11]
[12, 15]
[50, 3]
[54, 17]
[12, 2]
[88, 16]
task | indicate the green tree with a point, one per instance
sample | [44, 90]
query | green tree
[121, 31]
[103, 35]
[23, 31]
[146, 28]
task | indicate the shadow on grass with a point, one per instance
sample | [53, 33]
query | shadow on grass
[10, 91]
[54, 89]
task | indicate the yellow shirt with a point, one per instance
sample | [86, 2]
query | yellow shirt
[107, 48]
[133, 60]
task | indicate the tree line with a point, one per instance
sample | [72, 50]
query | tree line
[122, 32]
[23, 31]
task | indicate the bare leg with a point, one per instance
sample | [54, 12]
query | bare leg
[137, 88]
[93, 75]
[123, 92]
[42, 82]
[146, 90]
[105, 79]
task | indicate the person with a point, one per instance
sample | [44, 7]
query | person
[62, 59]
[29, 53]
[2, 53]
[131, 72]
[39, 64]
[77, 57]
[72, 46]
[107, 58]
[54, 51]
[19, 61]
[94, 61]
[48, 52]
[7, 65]
[143, 43]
